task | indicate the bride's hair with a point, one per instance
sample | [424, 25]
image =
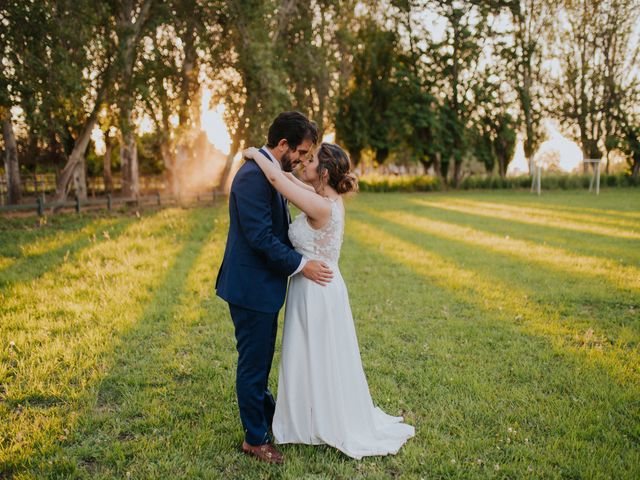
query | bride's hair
[335, 161]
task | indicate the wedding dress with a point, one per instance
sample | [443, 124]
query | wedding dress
[323, 395]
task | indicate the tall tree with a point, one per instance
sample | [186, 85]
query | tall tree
[91, 27]
[12, 56]
[186, 45]
[620, 44]
[458, 66]
[11, 165]
[131, 21]
[525, 53]
[580, 86]
[255, 90]
[313, 42]
[368, 115]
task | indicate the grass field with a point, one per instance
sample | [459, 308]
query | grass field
[504, 326]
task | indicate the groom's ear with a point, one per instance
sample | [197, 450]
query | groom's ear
[283, 144]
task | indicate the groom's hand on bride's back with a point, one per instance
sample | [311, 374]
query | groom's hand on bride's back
[318, 272]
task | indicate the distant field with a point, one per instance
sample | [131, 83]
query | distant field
[504, 326]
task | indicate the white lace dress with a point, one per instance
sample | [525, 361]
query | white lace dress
[323, 396]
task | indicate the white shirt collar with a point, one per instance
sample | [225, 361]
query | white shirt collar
[269, 154]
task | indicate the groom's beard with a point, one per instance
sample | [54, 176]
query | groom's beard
[286, 162]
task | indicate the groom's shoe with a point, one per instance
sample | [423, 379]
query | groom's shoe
[266, 453]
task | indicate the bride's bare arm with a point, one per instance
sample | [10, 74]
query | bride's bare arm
[315, 206]
[299, 182]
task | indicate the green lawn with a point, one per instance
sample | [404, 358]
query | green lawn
[504, 326]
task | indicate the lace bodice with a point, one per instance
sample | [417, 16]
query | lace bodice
[319, 244]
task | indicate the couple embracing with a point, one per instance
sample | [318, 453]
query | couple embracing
[323, 395]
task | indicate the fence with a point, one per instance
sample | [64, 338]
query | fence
[109, 202]
[45, 183]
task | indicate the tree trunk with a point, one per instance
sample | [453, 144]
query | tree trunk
[106, 166]
[437, 167]
[130, 32]
[80, 179]
[76, 158]
[235, 146]
[168, 159]
[11, 165]
[502, 170]
[426, 164]
[129, 160]
[457, 170]
[635, 170]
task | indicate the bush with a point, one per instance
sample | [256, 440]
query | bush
[552, 181]
[401, 183]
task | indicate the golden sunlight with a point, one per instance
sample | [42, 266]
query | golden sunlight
[212, 122]
[489, 294]
[557, 153]
[621, 276]
[523, 217]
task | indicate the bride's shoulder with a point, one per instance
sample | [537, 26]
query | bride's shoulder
[337, 205]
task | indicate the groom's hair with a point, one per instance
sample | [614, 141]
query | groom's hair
[294, 127]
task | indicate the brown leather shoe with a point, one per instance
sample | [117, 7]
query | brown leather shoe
[266, 453]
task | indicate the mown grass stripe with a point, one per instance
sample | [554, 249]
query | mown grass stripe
[622, 277]
[515, 304]
[558, 223]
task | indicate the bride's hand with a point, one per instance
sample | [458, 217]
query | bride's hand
[250, 153]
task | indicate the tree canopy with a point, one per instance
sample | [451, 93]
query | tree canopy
[438, 82]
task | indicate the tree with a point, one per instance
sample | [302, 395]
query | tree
[254, 87]
[89, 25]
[458, 67]
[186, 44]
[314, 44]
[621, 92]
[11, 57]
[370, 107]
[495, 139]
[531, 20]
[131, 20]
[579, 88]
[11, 165]
[424, 132]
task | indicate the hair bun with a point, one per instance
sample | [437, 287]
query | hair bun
[348, 183]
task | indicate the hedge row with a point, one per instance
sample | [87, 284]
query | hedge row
[426, 183]
[401, 183]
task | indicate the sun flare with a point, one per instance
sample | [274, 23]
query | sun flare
[212, 121]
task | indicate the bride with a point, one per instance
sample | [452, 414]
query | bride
[323, 395]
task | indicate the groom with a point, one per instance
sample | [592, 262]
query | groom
[257, 262]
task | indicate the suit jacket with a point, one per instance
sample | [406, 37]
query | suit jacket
[258, 257]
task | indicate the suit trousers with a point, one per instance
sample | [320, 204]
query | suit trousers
[255, 341]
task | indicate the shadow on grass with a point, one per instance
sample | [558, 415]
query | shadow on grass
[602, 225]
[30, 267]
[619, 249]
[586, 271]
[131, 351]
[165, 408]
[485, 373]
[546, 302]
[16, 234]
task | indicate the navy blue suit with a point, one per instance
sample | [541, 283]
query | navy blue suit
[258, 260]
